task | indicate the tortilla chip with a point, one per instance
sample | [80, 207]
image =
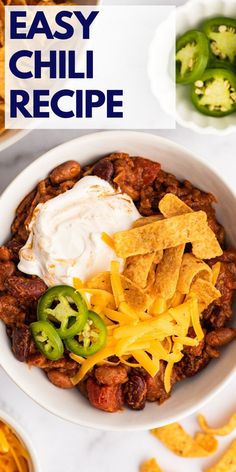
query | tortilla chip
[205, 292]
[207, 442]
[137, 268]
[134, 296]
[2, 90]
[158, 256]
[170, 205]
[101, 281]
[175, 438]
[223, 431]
[146, 220]
[206, 248]
[150, 466]
[150, 283]
[167, 274]
[162, 234]
[227, 463]
[190, 268]
[2, 21]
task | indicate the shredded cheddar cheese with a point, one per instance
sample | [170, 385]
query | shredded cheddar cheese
[215, 272]
[116, 283]
[159, 306]
[108, 240]
[167, 376]
[146, 362]
[13, 455]
[77, 283]
[141, 338]
[195, 317]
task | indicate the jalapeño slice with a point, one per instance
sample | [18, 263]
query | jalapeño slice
[47, 340]
[91, 339]
[192, 55]
[221, 33]
[65, 308]
[214, 94]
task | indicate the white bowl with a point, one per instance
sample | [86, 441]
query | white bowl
[190, 16]
[23, 437]
[189, 395]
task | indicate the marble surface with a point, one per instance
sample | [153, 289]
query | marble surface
[64, 447]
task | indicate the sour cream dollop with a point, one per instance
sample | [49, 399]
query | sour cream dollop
[65, 232]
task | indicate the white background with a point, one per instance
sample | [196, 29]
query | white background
[63, 447]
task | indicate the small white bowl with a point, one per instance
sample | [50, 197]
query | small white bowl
[24, 439]
[190, 16]
[188, 396]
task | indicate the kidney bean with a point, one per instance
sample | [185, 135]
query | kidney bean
[10, 312]
[14, 247]
[110, 375]
[67, 185]
[104, 169]
[155, 385]
[25, 289]
[5, 254]
[21, 338]
[6, 269]
[220, 337]
[60, 379]
[212, 352]
[135, 392]
[67, 171]
[105, 397]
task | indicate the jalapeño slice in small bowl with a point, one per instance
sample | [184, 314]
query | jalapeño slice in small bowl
[65, 308]
[214, 94]
[47, 340]
[221, 33]
[220, 64]
[91, 339]
[192, 55]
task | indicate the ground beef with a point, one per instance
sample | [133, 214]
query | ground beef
[220, 311]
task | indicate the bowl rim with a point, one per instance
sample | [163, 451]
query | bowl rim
[23, 436]
[189, 155]
[205, 129]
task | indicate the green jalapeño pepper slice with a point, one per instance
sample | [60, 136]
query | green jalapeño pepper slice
[218, 64]
[65, 308]
[47, 340]
[221, 33]
[91, 339]
[192, 55]
[214, 94]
